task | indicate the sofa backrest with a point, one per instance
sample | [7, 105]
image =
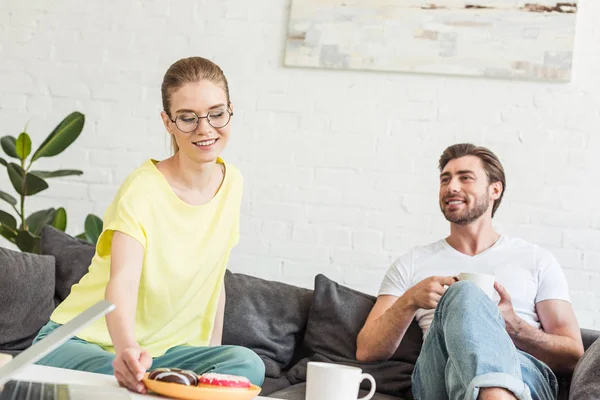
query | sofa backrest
[26, 297]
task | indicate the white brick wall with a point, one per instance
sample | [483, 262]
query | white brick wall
[340, 166]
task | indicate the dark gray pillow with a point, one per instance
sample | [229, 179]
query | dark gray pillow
[73, 258]
[586, 378]
[336, 317]
[266, 316]
[26, 297]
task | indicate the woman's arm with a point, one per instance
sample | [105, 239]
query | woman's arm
[126, 255]
[217, 334]
[131, 362]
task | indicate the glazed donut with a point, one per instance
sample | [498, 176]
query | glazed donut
[174, 375]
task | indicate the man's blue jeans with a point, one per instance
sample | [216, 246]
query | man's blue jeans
[467, 348]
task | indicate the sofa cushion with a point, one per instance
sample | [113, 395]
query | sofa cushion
[266, 316]
[297, 392]
[585, 384]
[26, 297]
[73, 258]
[336, 317]
[271, 385]
[588, 337]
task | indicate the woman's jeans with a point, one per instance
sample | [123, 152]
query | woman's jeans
[85, 356]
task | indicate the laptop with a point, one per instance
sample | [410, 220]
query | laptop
[21, 390]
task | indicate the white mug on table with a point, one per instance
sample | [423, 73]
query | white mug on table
[326, 381]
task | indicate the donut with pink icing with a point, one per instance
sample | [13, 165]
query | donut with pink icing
[222, 380]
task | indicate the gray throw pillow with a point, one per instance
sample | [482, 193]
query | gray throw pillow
[73, 258]
[585, 384]
[265, 316]
[336, 316]
[26, 297]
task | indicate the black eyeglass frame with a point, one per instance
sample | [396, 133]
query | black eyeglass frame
[199, 118]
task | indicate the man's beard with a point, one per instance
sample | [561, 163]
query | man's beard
[467, 216]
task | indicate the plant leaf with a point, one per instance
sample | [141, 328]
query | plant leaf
[81, 236]
[17, 177]
[28, 242]
[8, 220]
[3, 161]
[36, 221]
[60, 219]
[35, 184]
[24, 183]
[56, 174]
[9, 145]
[93, 228]
[61, 137]
[23, 145]
[7, 233]
[8, 198]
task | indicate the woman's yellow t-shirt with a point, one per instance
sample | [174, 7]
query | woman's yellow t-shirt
[186, 250]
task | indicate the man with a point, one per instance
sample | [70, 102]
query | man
[475, 347]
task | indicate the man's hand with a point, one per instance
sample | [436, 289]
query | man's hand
[427, 293]
[130, 365]
[511, 319]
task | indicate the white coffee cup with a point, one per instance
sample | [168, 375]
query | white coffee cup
[484, 281]
[325, 381]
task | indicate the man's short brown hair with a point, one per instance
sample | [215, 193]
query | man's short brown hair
[491, 164]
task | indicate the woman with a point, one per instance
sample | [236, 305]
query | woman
[163, 252]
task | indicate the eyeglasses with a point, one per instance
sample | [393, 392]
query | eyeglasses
[188, 121]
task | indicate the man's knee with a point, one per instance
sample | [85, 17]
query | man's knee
[463, 294]
[247, 363]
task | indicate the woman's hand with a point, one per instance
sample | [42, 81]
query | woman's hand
[130, 365]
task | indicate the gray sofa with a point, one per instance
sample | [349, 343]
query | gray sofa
[285, 325]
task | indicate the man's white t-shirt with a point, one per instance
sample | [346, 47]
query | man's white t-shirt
[529, 273]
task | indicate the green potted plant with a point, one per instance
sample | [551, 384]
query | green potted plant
[24, 230]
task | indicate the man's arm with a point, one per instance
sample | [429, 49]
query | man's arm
[559, 344]
[390, 317]
[384, 329]
[217, 333]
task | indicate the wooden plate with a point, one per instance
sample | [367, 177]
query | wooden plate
[177, 391]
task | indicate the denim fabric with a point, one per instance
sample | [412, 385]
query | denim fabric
[467, 348]
[84, 356]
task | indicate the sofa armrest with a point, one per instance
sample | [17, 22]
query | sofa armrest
[589, 336]
[4, 358]
[585, 384]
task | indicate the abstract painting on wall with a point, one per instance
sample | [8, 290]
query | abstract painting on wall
[490, 38]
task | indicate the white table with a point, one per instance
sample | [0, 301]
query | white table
[38, 373]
